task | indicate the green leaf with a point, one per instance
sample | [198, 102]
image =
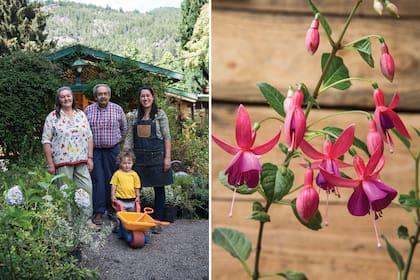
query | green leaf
[315, 223]
[241, 189]
[44, 185]
[416, 130]
[275, 182]
[336, 72]
[402, 138]
[364, 48]
[403, 233]
[292, 275]
[257, 206]
[273, 96]
[322, 20]
[409, 200]
[394, 254]
[233, 241]
[259, 216]
[336, 131]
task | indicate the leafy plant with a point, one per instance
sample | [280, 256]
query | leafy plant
[40, 231]
[245, 175]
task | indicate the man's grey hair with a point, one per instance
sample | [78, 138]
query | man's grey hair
[101, 85]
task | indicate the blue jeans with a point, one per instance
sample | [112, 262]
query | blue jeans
[159, 203]
[105, 164]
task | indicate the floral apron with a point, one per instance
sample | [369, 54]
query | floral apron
[150, 153]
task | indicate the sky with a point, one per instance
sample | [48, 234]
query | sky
[131, 5]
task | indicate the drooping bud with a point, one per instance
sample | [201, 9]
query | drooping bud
[307, 201]
[312, 36]
[288, 101]
[391, 8]
[374, 138]
[387, 63]
[378, 7]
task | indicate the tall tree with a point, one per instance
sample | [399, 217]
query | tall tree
[22, 26]
[196, 54]
[190, 10]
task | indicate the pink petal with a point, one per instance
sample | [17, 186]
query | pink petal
[372, 163]
[343, 142]
[339, 181]
[264, 148]
[399, 125]
[310, 151]
[395, 101]
[358, 204]
[244, 136]
[225, 146]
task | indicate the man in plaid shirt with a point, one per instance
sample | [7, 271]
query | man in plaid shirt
[109, 125]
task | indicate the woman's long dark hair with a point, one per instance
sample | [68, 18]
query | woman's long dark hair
[140, 109]
[57, 101]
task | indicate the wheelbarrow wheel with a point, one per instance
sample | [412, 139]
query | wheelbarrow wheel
[137, 239]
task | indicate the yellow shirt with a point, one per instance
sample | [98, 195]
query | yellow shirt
[125, 183]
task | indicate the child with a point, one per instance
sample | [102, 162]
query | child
[125, 182]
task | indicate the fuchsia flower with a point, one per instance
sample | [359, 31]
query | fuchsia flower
[387, 63]
[386, 118]
[378, 6]
[245, 167]
[295, 122]
[392, 9]
[307, 200]
[312, 36]
[328, 159]
[369, 191]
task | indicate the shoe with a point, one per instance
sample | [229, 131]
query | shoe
[156, 229]
[93, 226]
[111, 216]
[97, 219]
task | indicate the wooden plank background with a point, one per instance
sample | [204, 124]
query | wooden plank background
[268, 45]
[263, 41]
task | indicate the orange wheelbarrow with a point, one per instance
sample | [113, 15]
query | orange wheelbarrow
[134, 225]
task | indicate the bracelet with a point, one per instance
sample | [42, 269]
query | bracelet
[90, 157]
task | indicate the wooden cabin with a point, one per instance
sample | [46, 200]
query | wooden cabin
[264, 41]
[81, 61]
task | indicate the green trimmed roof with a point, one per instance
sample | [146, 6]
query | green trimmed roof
[100, 55]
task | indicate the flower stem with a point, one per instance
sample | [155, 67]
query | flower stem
[256, 274]
[414, 240]
[334, 50]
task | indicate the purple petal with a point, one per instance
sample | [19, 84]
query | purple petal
[378, 194]
[358, 204]
[244, 169]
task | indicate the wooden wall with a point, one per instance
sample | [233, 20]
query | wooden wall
[264, 41]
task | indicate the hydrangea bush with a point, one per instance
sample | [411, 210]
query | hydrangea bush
[324, 168]
[42, 228]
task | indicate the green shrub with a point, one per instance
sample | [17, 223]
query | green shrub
[39, 236]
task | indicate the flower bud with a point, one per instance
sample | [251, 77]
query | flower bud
[392, 9]
[312, 37]
[288, 101]
[374, 138]
[387, 63]
[378, 7]
[307, 200]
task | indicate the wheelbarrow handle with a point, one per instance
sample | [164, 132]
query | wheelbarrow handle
[146, 210]
[117, 205]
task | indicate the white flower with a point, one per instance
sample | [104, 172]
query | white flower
[15, 196]
[63, 189]
[82, 198]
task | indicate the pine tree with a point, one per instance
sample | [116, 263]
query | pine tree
[190, 10]
[22, 26]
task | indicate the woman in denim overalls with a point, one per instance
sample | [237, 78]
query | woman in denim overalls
[151, 141]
